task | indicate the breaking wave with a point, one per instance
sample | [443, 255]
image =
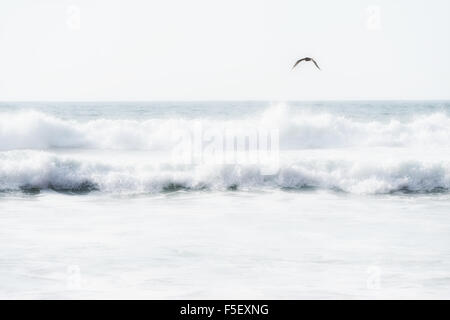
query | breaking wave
[31, 159]
[32, 171]
[35, 130]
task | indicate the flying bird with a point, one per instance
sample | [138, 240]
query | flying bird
[306, 59]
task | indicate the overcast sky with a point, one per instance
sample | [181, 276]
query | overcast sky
[227, 49]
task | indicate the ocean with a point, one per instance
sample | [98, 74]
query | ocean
[225, 200]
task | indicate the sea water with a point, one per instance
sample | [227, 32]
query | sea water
[92, 204]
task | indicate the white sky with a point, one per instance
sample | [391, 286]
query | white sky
[227, 49]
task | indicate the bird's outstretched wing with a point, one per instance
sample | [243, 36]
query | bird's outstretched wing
[316, 64]
[298, 63]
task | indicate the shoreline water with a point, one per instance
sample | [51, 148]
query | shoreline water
[90, 206]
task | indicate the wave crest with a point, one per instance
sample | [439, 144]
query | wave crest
[34, 130]
[33, 170]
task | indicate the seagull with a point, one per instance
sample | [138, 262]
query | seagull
[306, 59]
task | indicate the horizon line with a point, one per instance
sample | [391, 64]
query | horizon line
[226, 100]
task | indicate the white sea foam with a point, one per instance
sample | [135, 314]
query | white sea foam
[269, 244]
[317, 150]
[35, 130]
[30, 170]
